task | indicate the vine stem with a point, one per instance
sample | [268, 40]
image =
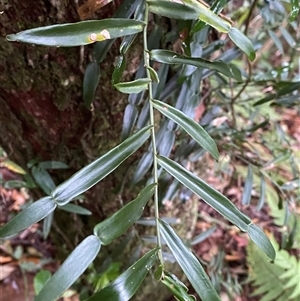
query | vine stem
[152, 122]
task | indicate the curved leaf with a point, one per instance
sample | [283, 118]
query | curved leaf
[29, 216]
[126, 285]
[242, 42]
[90, 83]
[75, 209]
[71, 269]
[194, 129]
[219, 202]
[135, 86]
[189, 264]
[171, 57]
[77, 34]
[99, 169]
[120, 221]
[43, 179]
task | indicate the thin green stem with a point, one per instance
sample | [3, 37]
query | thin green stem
[152, 122]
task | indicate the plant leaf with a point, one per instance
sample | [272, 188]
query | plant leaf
[189, 264]
[99, 169]
[75, 209]
[211, 196]
[194, 129]
[29, 216]
[171, 57]
[77, 34]
[126, 285]
[242, 42]
[90, 83]
[53, 165]
[71, 269]
[43, 179]
[246, 197]
[40, 279]
[119, 69]
[135, 86]
[120, 221]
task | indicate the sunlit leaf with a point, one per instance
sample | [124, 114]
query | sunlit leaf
[189, 264]
[76, 34]
[194, 129]
[12, 166]
[171, 57]
[124, 218]
[295, 9]
[99, 169]
[246, 197]
[29, 216]
[242, 42]
[135, 86]
[71, 269]
[90, 83]
[126, 285]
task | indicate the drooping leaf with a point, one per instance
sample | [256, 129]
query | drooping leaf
[126, 285]
[246, 197]
[178, 288]
[202, 236]
[99, 169]
[77, 34]
[29, 216]
[124, 218]
[189, 264]
[75, 209]
[47, 224]
[71, 269]
[242, 42]
[43, 179]
[135, 86]
[219, 202]
[90, 83]
[171, 57]
[194, 129]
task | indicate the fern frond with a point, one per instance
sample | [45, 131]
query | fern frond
[278, 281]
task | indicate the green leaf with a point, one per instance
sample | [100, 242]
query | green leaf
[77, 34]
[120, 221]
[246, 197]
[135, 86]
[153, 74]
[119, 69]
[47, 224]
[99, 169]
[75, 209]
[43, 179]
[261, 240]
[90, 83]
[126, 285]
[176, 287]
[211, 196]
[295, 9]
[242, 42]
[12, 166]
[129, 119]
[171, 57]
[29, 216]
[71, 269]
[194, 129]
[40, 279]
[189, 264]
[53, 165]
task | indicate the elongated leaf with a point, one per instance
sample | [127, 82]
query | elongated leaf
[71, 269]
[135, 86]
[76, 34]
[99, 169]
[53, 165]
[29, 216]
[47, 224]
[211, 196]
[124, 218]
[129, 119]
[90, 83]
[194, 129]
[43, 179]
[262, 196]
[12, 166]
[189, 264]
[219, 202]
[119, 69]
[242, 42]
[75, 209]
[40, 279]
[178, 288]
[126, 285]
[246, 197]
[171, 57]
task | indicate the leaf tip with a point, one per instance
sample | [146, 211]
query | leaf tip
[11, 37]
